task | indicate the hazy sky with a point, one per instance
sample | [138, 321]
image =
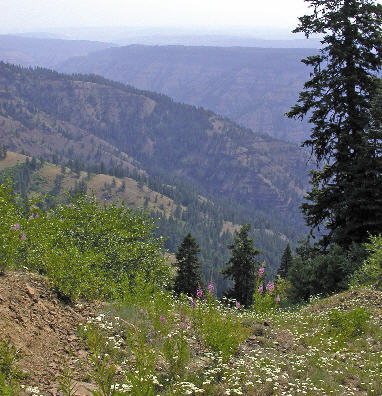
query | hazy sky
[40, 15]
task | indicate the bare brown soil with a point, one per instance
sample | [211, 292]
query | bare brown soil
[44, 331]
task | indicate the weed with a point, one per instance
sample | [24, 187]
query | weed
[348, 325]
[10, 374]
[66, 381]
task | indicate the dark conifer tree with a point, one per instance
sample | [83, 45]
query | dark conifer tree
[285, 263]
[189, 277]
[3, 152]
[242, 267]
[346, 195]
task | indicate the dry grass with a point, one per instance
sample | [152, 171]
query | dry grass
[12, 159]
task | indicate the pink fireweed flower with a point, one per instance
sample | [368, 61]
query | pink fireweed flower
[270, 287]
[199, 293]
[278, 299]
[23, 237]
[162, 319]
[36, 216]
[261, 270]
[211, 287]
[261, 289]
[16, 227]
[237, 304]
[193, 303]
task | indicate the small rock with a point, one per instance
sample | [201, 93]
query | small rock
[82, 354]
[31, 292]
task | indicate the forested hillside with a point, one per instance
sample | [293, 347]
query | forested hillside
[176, 209]
[217, 173]
[165, 138]
[252, 86]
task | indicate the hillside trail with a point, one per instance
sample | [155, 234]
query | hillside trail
[44, 330]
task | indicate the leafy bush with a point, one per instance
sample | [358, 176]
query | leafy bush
[86, 249]
[93, 251]
[348, 325]
[370, 273]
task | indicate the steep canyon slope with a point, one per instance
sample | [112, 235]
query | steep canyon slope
[252, 86]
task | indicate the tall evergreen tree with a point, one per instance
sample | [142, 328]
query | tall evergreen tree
[242, 267]
[346, 195]
[188, 278]
[286, 262]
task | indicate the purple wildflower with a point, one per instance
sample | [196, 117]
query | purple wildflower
[278, 299]
[23, 237]
[16, 227]
[36, 216]
[193, 303]
[270, 287]
[199, 293]
[237, 304]
[261, 270]
[162, 319]
[211, 287]
[261, 289]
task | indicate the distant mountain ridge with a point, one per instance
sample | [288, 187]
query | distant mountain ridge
[163, 137]
[218, 174]
[252, 86]
[44, 52]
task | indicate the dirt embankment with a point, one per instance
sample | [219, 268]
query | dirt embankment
[44, 331]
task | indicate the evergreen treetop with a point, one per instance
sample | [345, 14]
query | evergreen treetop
[242, 267]
[188, 278]
[346, 191]
[286, 262]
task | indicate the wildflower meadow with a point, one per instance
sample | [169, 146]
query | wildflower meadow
[147, 340]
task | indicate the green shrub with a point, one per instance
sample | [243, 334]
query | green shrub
[348, 325]
[87, 250]
[94, 251]
[314, 272]
[220, 329]
[10, 375]
[10, 229]
[370, 273]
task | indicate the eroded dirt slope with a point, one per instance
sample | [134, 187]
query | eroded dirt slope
[43, 329]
